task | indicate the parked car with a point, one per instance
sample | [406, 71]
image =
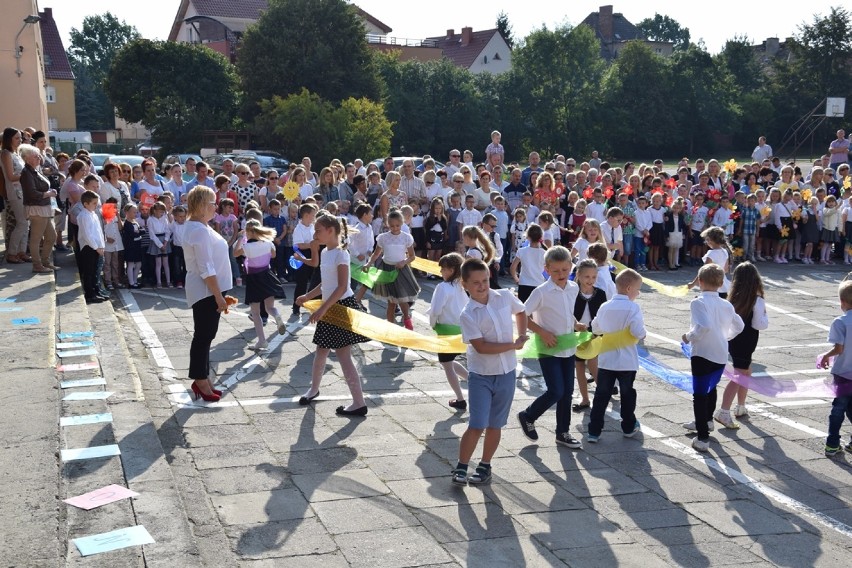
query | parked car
[131, 159]
[98, 160]
[181, 159]
[397, 162]
[267, 159]
[215, 162]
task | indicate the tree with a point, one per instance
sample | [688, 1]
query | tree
[737, 57]
[505, 28]
[90, 53]
[175, 89]
[823, 51]
[664, 28]
[319, 45]
[365, 130]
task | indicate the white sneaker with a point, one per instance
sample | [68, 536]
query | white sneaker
[741, 411]
[691, 426]
[259, 347]
[724, 418]
[282, 327]
[700, 446]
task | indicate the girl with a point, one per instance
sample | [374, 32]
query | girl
[718, 253]
[783, 219]
[222, 183]
[397, 251]
[478, 245]
[846, 234]
[590, 233]
[576, 220]
[418, 230]
[131, 238]
[334, 289]
[830, 217]
[226, 224]
[810, 230]
[261, 283]
[113, 250]
[589, 299]
[448, 301]
[517, 231]
[675, 231]
[531, 259]
[747, 298]
[161, 236]
[771, 234]
[658, 230]
[436, 230]
[292, 221]
[361, 243]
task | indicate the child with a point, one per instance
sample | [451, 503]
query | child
[502, 229]
[747, 298]
[697, 225]
[477, 245]
[749, 221]
[278, 222]
[784, 220]
[486, 323]
[453, 212]
[642, 232]
[90, 239]
[287, 249]
[469, 217]
[597, 208]
[714, 323]
[722, 217]
[810, 230]
[418, 231]
[303, 234]
[589, 300]
[161, 236]
[841, 369]
[531, 259]
[830, 218]
[719, 254]
[112, 250]
[448, 302]
[361, 244]
[549, 229]
[622, 312]
[178, 228]
[550, 309]
[262, 285]
[517, 232]
[658, 230]
[494, 152]
[334, 289]
[613, 234]
[131, 238]
[489, 228]
[576, 220]
[590, 233]
[599, 253]
[397, 251]
[436, 227]
[675, 226]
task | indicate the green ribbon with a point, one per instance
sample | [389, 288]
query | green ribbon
[373, 277]
[535, 348]
[447, 329]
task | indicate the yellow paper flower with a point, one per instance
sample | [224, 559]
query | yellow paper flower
[806, 194]
[731, 166]
[766, 211]
[755, 188]
[847, 182]
[732, 207]
[796, 214]
[738, 252]
[785, 232]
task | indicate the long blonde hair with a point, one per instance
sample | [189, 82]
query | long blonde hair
[256, 229]
[592, 223]
[482, 241]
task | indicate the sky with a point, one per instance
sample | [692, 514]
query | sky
[713, 22]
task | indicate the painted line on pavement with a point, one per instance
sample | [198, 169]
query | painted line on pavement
[788, 422]
[786, 403]
[149, 340]
[797, 317]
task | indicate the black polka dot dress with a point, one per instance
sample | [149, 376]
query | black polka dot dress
[328, 336]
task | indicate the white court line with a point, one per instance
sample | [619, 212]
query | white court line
[797, 317]
[791, 423]
[787, 287]
[662, 338]
[149, 340]
[233, 309]
[786, 403]
[797, 346]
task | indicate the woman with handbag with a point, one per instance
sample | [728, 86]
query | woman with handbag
[39, 200]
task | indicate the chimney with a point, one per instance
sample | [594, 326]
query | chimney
[48, 13]
[605, 22]
[772, 46]
[467, 36]
[450, 33]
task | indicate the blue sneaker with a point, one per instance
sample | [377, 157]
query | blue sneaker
[592, 439]
[636, 428]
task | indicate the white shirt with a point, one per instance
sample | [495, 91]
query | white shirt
[361, 243]
[178, 229]
[721, 218]
[552, 308]
[112, 231]
[615, 315]
[469, 217]
[714, 323]
[90, 232]
[303, 234]
[306, 191]
[414, 187]
[493, 323]
[643, 221]
[394, 247]
[719, 256]
[329, 261]
[435, 190]
[448, 302]
[151, 188]
[759, 317]
[612, 235]
[581, 245]
[604, 281]
[597, 211]
[206, 254]
[552, 234]
[159, 226]
[761, 153]
[532, 266]
[107, 190]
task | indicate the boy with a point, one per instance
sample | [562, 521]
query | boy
[532, 210]
[612, 233]
[596, 209]
[491, 366]
[279, 223]
[91, 242]
[453, 212]
[468, 216]
[699, 223]
[722, 217]
[503, 223]
[714, 323]
[600, 254]
[550, 309]
[628, 228]
[622, 312]
[643, 229]
[494, 149]
[303, 235]
[838, 334]
[176, 258]
[748, 226]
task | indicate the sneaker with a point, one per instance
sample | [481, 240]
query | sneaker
[180, 285]
[724, 418]
[527, 426]
[700, 446]
[592, 439]
[636, 428]
[459, 476]
[282, 327]
[848, 447]
[691, 426]
[259, 347]
[409, 325]
[566, 440]
[481, 475]
[741, 411]
[831, 451]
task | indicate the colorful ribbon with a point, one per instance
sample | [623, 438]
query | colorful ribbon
[535, 347]
[373, 276]
[426, 265]
[677, 379]
[664, 289]
[607, 342]
[447, 329]
[385, 331]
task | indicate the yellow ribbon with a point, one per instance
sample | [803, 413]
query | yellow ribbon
[607, 342]
[385, 331]
[670, 291]
[426, 265]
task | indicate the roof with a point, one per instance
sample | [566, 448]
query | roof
[56, 65]
[237, 25]
[382, 26]
[464, 56]
[622, 29]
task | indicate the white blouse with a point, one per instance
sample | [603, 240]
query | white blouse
[206, 254]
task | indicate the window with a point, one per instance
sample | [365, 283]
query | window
[485, 59]
[497, 57]
[50, 93]
[52, 124]
[47, 60]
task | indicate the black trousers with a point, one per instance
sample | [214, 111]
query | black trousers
[87, 262]
[205, 319]
[178, 264]
[303, 278]
[704, 395]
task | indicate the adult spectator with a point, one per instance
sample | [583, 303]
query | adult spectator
[228, 170]
[762, 151]
[244, 188]
[201, 171]
[434, 189]
[514, 192]
[347, 188]
[411, 185]
[838, 150]
[16, 226]
[71, 192]
[254, 168]
[310, 177]
[208, 277]
[150, 188]
[498, 183]
[387, 166]
[48, 166]
[36, 196]
[190, 169]
[114, 187]
[595, 161]
[455, 164]
[535, 160]
[359, 167]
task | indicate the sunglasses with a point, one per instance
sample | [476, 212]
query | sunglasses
[270, 178]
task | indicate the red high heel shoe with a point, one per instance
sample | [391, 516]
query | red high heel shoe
[205, 397]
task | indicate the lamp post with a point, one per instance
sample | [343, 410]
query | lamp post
[29, 20]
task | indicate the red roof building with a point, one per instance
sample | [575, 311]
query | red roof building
[59, 78]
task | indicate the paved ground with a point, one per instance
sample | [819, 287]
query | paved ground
[257, 480]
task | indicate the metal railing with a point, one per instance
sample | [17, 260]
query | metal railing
[401, 41]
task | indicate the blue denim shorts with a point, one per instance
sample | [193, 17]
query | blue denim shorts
[489, 399]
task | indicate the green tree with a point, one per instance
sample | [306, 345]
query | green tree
[365, 130]
[823, 50]
[664, 28]
[319, 45]
[90, 53]
[177, 90]
[505, 28]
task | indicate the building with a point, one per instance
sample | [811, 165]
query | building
[58, 76]
[480, 51]
[22, 66]
[613, 30]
